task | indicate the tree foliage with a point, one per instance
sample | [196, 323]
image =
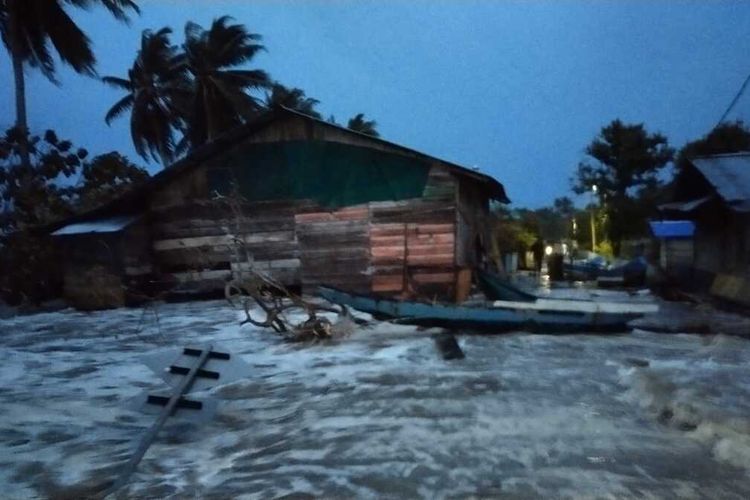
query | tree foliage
[32, 194]
[513, 231]
[44, 191]
[564, 207]
[292, 98]
[195, 92]
[359, 124]
[181, 98]
[158, 90]
[221, 90]
[624, 162]
[105, 178]
[725, 138]
[30, 28]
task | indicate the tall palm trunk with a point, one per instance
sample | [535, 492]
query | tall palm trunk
[21, 122]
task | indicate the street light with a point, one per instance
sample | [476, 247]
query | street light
[594, 190]
[574, 240]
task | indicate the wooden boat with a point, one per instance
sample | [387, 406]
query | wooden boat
[541, 315]
[497, 288]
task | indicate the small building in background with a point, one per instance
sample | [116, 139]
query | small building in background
[675, 247]
[713, 192]
[302, 200]
[105, 261]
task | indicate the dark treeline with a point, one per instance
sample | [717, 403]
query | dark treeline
[623, 180]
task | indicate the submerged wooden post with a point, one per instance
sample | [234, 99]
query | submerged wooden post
[448, 346]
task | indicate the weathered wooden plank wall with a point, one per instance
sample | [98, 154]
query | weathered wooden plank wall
[677, 253]
[334, 248]
[200, 244]
[472, 233]
[413, 241]
[411, 255]
[137, 266]
[358, 248]
[387, 246]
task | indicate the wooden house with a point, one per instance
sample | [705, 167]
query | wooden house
[106, 260]
[713, 192]
[303, 200]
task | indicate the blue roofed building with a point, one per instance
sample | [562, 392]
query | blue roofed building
[675, 247]
[711, 209]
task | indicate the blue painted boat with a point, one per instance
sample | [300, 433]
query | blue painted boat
[497, 288]
[544, 316]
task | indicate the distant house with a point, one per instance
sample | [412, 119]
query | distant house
[714, 193]
[675, 247]
[305, 201]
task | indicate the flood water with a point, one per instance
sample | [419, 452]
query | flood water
[377, 414]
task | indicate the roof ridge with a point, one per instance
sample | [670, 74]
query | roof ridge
[722, 155]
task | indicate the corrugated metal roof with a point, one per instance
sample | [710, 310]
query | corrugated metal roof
[730, 175]
[105, 225]
[672, 228]
[685, 206]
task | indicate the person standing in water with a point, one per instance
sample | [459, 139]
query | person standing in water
[538, 250]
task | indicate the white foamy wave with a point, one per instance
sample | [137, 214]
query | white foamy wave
[687, 395]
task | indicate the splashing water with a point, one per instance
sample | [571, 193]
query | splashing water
[377, 414]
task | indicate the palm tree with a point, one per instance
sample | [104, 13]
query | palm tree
[220, 100]
[29, 26]
[359, 124]
[156, 85]
[292, 98]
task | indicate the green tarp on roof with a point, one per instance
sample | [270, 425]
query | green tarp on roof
[330, 173]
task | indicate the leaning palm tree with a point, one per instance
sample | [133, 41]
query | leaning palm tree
[359, 124]
[156, 86]
[292, 98]
[221, 100]
[28, 27]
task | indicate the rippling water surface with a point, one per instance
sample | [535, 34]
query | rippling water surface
[378, 414]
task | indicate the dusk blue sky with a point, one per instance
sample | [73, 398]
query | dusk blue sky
[516, 88]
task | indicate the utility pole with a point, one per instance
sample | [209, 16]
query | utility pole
[593, 218]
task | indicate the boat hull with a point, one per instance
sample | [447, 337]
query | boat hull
[496, 288]
[491, 316]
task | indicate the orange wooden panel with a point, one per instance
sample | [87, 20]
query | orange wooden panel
[386, 240]
[433, 228]
[387, 283]
[463, 284]
[432, 238]
[434, 277]
[428, 260]
[352, 213]
[377, 230]
[396, 251]
[313, 217]
[429, 249]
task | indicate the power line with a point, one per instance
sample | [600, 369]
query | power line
[734, 101]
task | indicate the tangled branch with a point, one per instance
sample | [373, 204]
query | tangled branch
[278, 307]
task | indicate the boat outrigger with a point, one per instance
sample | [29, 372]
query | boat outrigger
[541, 315]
